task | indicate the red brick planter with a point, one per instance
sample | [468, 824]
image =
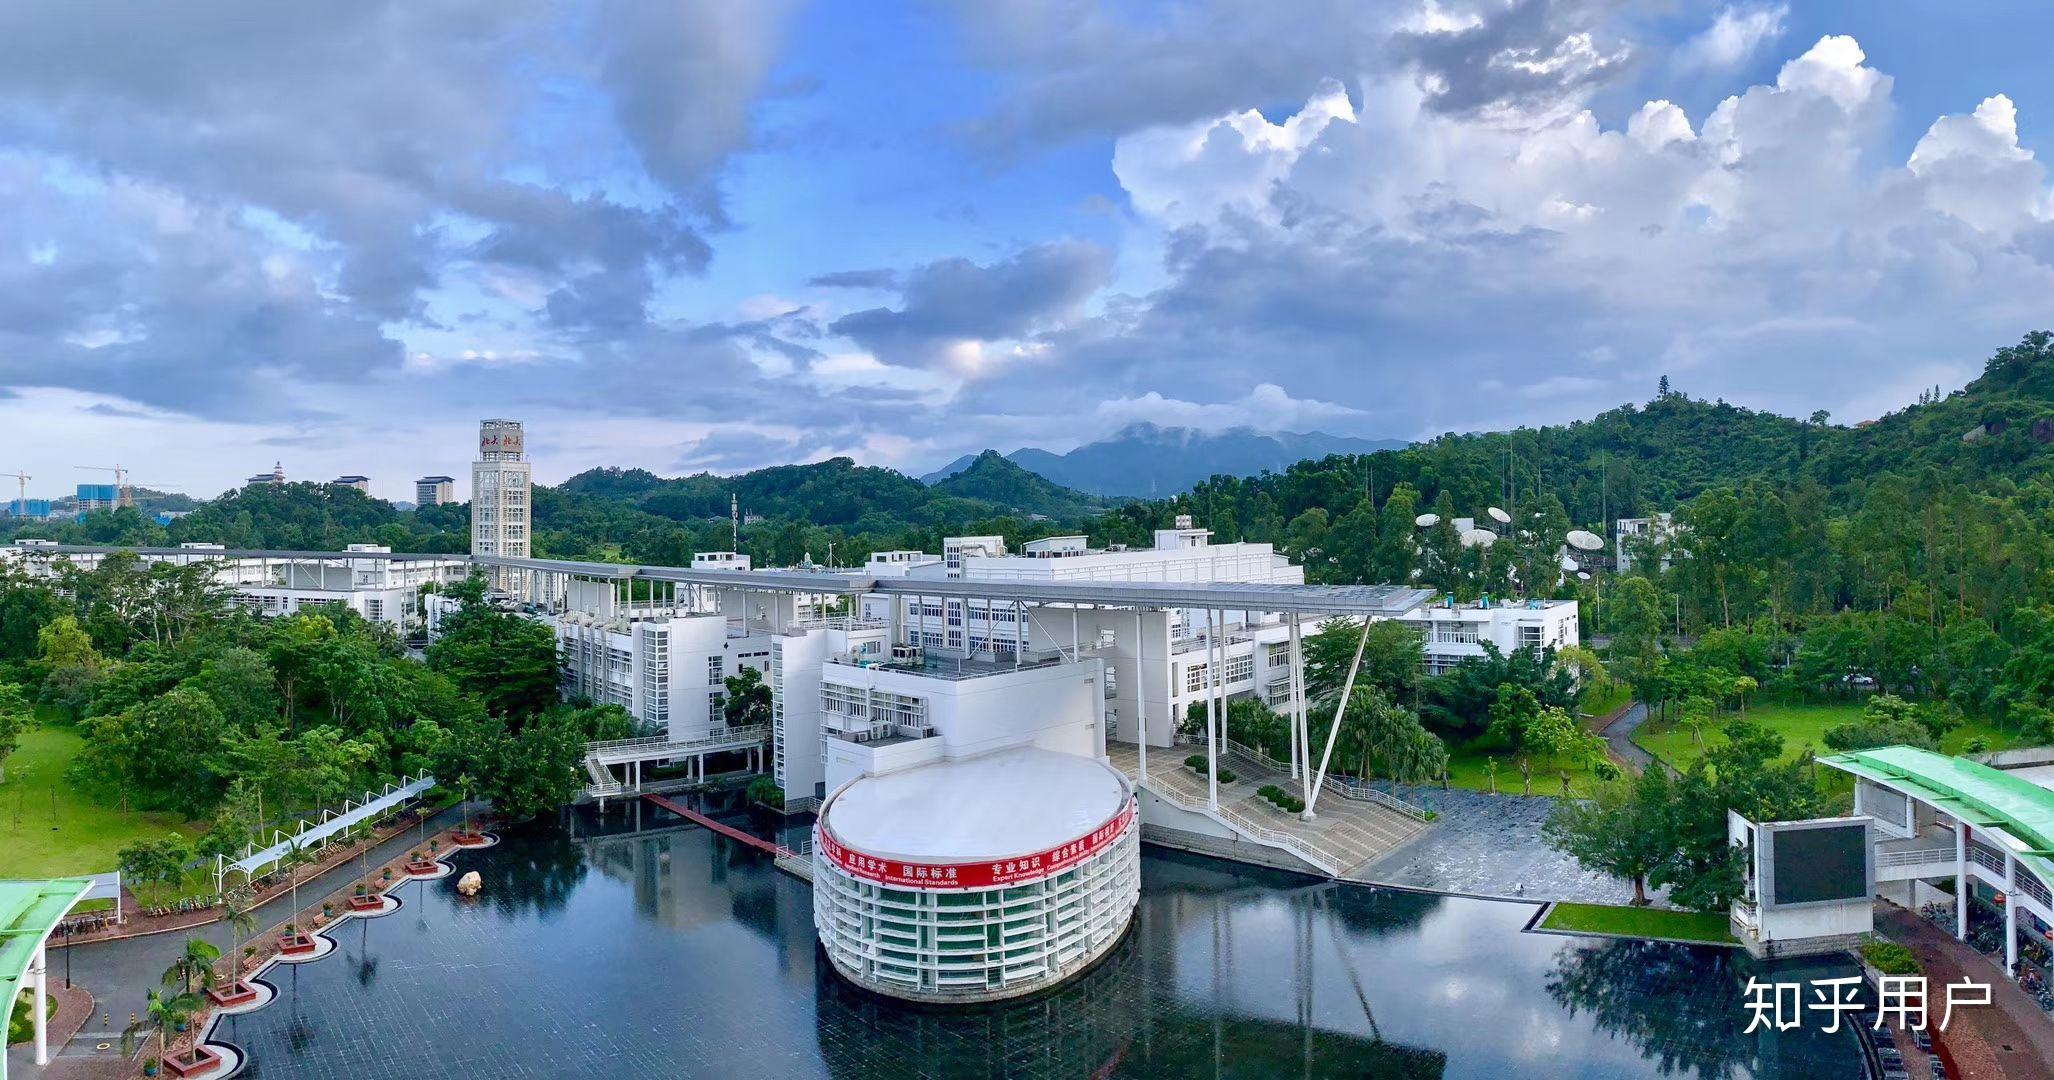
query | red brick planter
[197, 1060]
[295, 944]
[470, 839]
[366, 902]
[241, 993]
[423, 868]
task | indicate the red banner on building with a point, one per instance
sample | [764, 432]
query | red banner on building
[977, 875]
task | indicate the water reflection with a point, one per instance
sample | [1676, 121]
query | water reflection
[623, 947]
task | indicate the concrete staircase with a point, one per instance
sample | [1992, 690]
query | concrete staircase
[1346, 833]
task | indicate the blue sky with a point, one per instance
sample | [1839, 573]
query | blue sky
[714, 236]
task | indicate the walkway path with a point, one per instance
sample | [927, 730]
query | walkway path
[2011, 1037]
[1619, 736]
[1353, 832]
[121, 973]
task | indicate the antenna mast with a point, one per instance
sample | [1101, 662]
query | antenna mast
[734, 521]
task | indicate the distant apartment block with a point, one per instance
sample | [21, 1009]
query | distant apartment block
[1636, 538]
[361, 483]
[434, 490]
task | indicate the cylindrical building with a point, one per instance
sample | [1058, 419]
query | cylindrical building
[979, 879]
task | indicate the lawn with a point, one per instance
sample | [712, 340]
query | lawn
[47, 829]
[1801, 726]
[1598, 705]
[1639, 922]
[1466, 770]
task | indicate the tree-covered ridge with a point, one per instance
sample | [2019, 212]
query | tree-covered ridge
[991, 479]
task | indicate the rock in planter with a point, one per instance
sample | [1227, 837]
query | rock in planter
[470, 883]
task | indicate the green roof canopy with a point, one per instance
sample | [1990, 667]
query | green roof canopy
[29, 910]
[1971, 791]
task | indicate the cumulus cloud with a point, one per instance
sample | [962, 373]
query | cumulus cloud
[1429, 251]
[1736, 33]
[298, 192]
[958, 314]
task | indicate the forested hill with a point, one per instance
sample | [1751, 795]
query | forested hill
[1635, 460]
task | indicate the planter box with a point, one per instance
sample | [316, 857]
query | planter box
[423, 867]
[366, 902]
[295, 944]
[241, 993]
[197, 1060]
[464, 839]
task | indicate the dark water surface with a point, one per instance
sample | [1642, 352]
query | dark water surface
[674, 952]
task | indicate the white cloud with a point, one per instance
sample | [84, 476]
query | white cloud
[1193, 172]
[1733, 37]
[1268, 407]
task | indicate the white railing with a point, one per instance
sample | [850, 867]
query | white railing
[2033, 887]
[1986, 858]
[1240, 822]
[1346, 789]
[1915, 857]
[653, 745]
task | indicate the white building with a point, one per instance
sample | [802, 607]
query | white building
[361, 483]
[379, 588]
[500, 508]
[434, 490]
[1179, 646]
[1452, 633]
[1632, 536]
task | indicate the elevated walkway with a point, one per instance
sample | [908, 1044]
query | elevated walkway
[1349, 831]
[631, 754]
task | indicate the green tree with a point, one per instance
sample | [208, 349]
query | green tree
[16, 717]
[1638, 615]
[1624, 831]
[157, 753]
[502, 659]
[748, 699]
[63, 643]
[540, 768]
[1390, 739]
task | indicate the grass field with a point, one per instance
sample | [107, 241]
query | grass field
[1639, 922]
[1801, 726]
[49, 830]
[1466, 770]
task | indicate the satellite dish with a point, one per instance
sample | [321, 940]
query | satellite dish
[1479, 538]
[1569, 562]
[1427, 521]
[1583, 576]
[1500, 516]
[1584, 540]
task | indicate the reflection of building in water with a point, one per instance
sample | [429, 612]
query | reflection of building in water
[1145, 1010]
[682, 876]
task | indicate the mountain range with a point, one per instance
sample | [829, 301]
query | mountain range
[1147, 461]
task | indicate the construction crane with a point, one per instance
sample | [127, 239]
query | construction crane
[21, 498]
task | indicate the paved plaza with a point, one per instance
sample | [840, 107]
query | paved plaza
[1491, 845]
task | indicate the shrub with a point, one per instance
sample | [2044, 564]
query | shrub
[1227, 776]
[1196, 761]
[764, 789]
[1890, 958]
[1270, 791]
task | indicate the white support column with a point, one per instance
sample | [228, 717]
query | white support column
[1212, 750]
[2010, 914]
[1326, 756]
[1961, 886]
[1294, 669]
[1140, 690]
[39, 986]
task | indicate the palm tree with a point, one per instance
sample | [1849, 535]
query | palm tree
[194, 967]
[160, 1013]
[295, 856]
[239, 911]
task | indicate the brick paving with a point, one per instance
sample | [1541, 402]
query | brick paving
[2011, 1039]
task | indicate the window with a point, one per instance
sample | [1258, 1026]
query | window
[716, 703]
[1194, 678]
[955, 613]
[1529, 637]
[931, 639]
[955, 639]
[1240, 668]
[1461, 633]
[1280, 654]
[715, 668]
